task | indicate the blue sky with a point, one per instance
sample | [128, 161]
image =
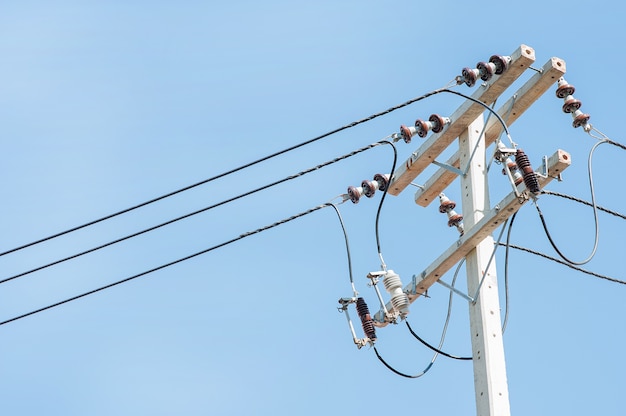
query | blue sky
[104, 105]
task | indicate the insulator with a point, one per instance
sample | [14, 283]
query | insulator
[422, 127]
[486, 70]
[564, 89]
[382, 180]
[407, 133]
[399, 299]
[454, 219]
[366, 319]
[580, 118]
[501, 63]
[435, 123]
[369, 188]
[517, 176]
[571, 104]
[446, 204]
[470, 76]
[355, 193]
[529, 175]
[438, 122]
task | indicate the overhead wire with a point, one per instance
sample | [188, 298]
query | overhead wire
[595, 215]
[445, 326]
[172, 263]
[582, 201]
[380, 206]
[224, 174]
[571, 266]
[155, 227]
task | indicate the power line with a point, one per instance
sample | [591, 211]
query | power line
[582, 201]
[172, 263]
[119, 240]
[528, 250]
[226, 173]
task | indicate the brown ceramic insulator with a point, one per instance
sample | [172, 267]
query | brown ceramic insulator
[406, 134]
[455, 220]
[571, 105]
[529, 175]
[366, 319]
[383, 181]
[501, 63]
[564, 90]
[422, 128]
[485, 70]
[447, 206]
[369, 188]
[437, 122]
[354, 194]
[580, 120]
[469, 76]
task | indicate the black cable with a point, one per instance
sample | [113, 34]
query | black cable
[582, 201]
[221, 175]
[345, 236]
[119, 240]
[437, 350]
[506, 274]
[382, 200]
[571, 266]
[595, 214]
[163, 266]
[402, 374]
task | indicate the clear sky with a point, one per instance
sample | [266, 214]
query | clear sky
[107, 104]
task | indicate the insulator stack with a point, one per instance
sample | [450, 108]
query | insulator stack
[447, 207]
[572, 105]
[485, 70]
[529, 175]
[517, 176]
[366, 319]
[399, 299]
[368, 188]
[435, 123]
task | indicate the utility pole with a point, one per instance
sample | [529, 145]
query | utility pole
[476, 244]
[490, 381]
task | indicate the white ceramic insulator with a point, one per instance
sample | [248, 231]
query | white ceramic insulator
[399, 299]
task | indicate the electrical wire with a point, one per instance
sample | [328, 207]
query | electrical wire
[172, 263]
[506, 274]
[380, 205]
[604, 137]
[571, 266]
[445, 326]
[428, 367]
[119, 240]
[345, 236]
[226, 173]
[595, 215]
[582, 201]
